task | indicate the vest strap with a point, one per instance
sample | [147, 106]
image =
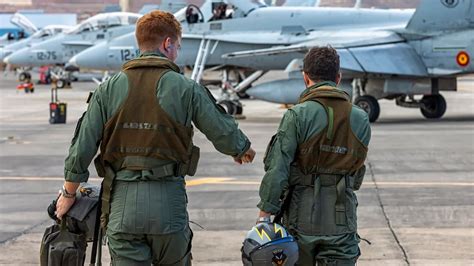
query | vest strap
[325, 180]
[107, 185]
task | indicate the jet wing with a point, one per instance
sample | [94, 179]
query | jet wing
[272, 38]
[370, 52]
[337, 39]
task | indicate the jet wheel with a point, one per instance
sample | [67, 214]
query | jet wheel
[61, 83]
[232, 107]
[433, 106]
[24, 76]
[370, 105]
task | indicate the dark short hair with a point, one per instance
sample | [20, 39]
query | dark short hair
[154, 27]
[321, 64]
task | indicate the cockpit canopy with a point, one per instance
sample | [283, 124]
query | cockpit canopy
[218, 10]
[49, 31]
[105, 21]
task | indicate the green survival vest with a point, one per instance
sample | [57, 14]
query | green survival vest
[322, 201]
[141, 134]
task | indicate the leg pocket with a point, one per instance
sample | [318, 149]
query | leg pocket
[301, 209]
[351, 209]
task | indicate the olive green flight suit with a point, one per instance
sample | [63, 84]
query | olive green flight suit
[148, 221]
[320, 239]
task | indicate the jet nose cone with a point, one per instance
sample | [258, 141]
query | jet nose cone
[4, 53]
[94, 58]
[21, 57]
[73, 61]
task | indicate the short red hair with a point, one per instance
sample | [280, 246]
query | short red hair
[154, 27]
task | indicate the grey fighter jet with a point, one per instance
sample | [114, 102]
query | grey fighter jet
[39, 36]
[21, 22]
[246, 25]
[252, 25]
[411, 64]
[58, 50]
[392, 54]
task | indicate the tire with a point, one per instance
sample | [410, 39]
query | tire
[370, 105]
[238, 108]
[243, 95]
[434, 106]
[22, 76]
[229, 107]
[61, 83]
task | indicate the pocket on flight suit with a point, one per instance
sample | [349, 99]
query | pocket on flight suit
[351, 209]
[117, 206]
[302, 205]
[168, 204]
[266, 156]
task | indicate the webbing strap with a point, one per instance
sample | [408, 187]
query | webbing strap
[341, 202]
[165, 170]
[317, 188]
[106, 194]
[330, 128]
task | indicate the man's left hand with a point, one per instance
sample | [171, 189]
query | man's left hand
[63, 206]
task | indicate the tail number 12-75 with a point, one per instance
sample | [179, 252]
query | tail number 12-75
[47, 55]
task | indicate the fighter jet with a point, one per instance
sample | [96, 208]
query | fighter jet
[21, 22]
[410, 65]
[39, 36]
[58, 50]
[243, 25]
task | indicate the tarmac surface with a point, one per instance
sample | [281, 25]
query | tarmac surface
[415, 206]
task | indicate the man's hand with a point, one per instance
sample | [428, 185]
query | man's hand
[247, 157]
[264, 214]
[63, 206]
[263, 217]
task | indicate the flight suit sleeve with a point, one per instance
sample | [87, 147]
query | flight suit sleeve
[280, 154]
[219, 127]
[85, 142]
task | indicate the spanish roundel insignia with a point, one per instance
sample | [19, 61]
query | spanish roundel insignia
[462, 59]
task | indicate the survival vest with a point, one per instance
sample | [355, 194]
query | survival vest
[141, 130]
[141, 135]
[322, 176]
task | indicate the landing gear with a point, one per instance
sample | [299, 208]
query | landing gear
[433, 106]
[370, 105]
[63, 79]
[24, 76]
[232, 107]
[233, 86]
[61, 83]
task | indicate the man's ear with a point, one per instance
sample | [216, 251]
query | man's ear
[306, 79]
[166, 44]
[338, 78]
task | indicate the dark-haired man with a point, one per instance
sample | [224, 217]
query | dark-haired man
[314, 164]
[142, 119]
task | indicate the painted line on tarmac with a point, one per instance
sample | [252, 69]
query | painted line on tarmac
[235, 181]
[40, 178]
[207, 180]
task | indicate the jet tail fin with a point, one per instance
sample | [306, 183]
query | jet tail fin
[442, 15]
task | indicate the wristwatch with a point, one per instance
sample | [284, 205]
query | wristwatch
[67, 194]
[263, 220]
